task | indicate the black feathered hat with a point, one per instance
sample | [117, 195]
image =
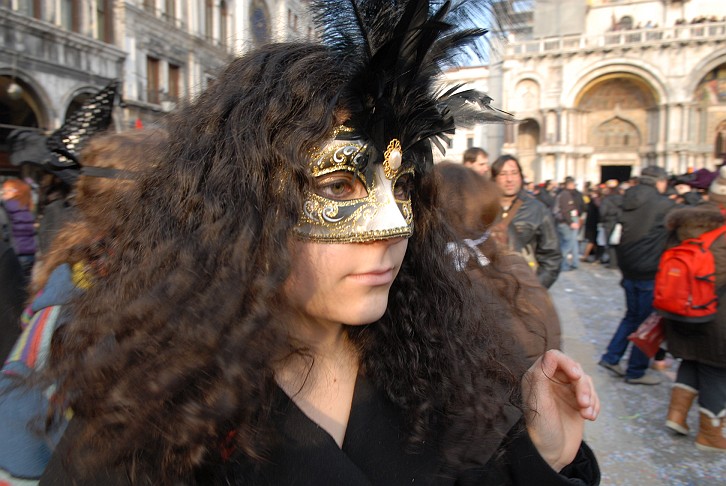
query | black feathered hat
[393, 53]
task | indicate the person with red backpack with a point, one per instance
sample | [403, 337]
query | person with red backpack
[701, 346]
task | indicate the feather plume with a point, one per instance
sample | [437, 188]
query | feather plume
[394, 53]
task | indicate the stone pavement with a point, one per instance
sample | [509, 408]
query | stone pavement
[629, 438]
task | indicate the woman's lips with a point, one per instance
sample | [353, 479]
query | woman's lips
[374, 277]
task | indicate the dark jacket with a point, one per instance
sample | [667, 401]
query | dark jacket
[644, 233]
[23, 224]
[533, 229]
[568, 207]
[611, 207]
[373, 453]
[705, 342]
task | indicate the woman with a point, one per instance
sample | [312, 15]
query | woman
[18, 203]
[503, 278]
[74, 260]
[271, 315]
[701, 347]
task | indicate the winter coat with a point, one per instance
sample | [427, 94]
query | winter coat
[533, 229]
[374, 452]
[644, 233]
[610, 211]
[23, 224]
[705, 342]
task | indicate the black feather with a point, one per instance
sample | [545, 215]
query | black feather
[394, 52]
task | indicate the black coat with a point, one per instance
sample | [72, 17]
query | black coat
[644, 233]
[373, 453]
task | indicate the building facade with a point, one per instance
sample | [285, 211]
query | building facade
[54, 54]
[606, 87]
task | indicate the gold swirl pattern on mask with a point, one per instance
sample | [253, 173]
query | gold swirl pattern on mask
[407, 211]
[337, 155]
[325, 220]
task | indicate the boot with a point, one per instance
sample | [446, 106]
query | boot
[711, 432]
[681, 399]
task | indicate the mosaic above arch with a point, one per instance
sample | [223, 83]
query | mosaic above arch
[712, 88]
[624, 92]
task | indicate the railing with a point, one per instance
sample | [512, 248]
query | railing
[631, 38]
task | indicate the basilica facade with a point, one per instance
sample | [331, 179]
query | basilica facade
[602, 88]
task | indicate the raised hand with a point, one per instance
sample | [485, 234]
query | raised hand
[560, 397]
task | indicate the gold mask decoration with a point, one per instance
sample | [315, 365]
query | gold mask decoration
[356, 200]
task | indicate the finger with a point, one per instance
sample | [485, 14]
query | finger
[556, 364]
[587, 398]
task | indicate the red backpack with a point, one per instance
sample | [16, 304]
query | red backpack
[685, 285]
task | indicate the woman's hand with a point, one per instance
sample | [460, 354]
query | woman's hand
[560, 397]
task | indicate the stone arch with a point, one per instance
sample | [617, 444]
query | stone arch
[22, 104]
[650, 76]
[528, 138]
[32, 93]
[76, 99]
[620, 96]
[707, 64]
[709, 101]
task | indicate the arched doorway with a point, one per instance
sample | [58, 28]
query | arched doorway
[528, 137]
[19, 108]
[618, 110]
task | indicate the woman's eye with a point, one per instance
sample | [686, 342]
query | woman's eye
[403, 188]
[341, 187]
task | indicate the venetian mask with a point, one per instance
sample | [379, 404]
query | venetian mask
[356, 199]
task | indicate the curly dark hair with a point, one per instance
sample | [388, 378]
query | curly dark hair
[174, 349]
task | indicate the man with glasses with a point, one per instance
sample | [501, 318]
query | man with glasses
[526, 225]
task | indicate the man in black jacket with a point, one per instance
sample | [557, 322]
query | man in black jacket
[527, 225]
[641, 245]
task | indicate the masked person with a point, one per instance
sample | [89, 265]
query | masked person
[280, 309]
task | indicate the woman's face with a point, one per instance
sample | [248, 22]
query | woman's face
[352, 234]
[8, 192]
[343, 283]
